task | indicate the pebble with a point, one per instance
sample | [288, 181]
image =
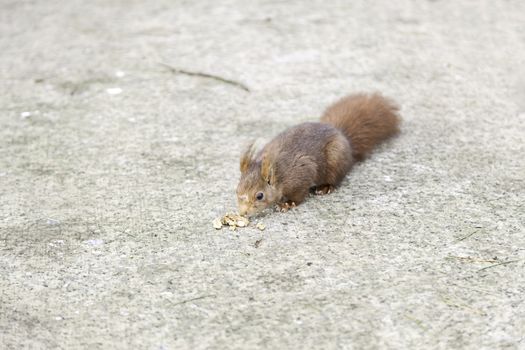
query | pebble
[114, 91]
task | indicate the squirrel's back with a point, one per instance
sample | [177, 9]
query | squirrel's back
[366, 120]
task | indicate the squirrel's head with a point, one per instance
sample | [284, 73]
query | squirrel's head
[256, 190]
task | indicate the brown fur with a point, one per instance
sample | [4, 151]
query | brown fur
[314, 155]
[366, 120]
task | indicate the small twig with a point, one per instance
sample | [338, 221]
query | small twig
[206, 75]
[193, 299]
[459, 304]
[469, 258]
[465, 237]
[419, 323]
[501, 263]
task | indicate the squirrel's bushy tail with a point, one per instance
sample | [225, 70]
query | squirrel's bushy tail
[365, 119]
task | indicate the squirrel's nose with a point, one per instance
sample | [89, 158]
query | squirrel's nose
[244, 209]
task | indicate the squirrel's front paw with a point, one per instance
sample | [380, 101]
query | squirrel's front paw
[324, 189]
[284, 207]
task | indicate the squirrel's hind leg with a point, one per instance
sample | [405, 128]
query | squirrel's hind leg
[339, 160]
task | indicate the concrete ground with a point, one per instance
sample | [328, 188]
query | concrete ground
[113, 166]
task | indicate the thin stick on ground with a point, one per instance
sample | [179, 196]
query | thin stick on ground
[194, 299]
[458, 303]
[465, 237]
[472, 259]
[501, 263]
[206, 75]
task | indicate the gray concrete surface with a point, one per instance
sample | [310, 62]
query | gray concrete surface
[107, 198]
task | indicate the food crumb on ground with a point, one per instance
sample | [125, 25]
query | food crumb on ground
[232, 220]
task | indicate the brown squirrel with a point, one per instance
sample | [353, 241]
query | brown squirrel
[314, 156]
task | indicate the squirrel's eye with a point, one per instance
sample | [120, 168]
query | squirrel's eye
[259, 196]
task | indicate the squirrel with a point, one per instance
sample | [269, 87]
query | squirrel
[314, 156]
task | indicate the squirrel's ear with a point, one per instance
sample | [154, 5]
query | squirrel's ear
[267, 170]
[246, 158]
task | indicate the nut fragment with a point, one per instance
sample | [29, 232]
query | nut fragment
[232, 220]
[242, 221]
[260, 226]
[217, 223]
